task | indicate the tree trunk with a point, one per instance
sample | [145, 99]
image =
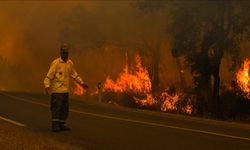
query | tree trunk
[155, 72]
[216, 90]
[216, 75]
[181, 74]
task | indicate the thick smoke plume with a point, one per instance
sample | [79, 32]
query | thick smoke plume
[99, 33]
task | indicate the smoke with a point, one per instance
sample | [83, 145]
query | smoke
[98, 32]
[28, 41]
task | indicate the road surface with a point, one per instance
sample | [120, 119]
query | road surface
[100, 126]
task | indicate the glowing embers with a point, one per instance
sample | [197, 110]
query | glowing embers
[148, 101]
[176, 101]
[243, 78]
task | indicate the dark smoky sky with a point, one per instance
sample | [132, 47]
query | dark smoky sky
[99, 34]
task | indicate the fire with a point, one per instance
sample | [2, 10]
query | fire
[149, 100]
[169, 102]
[243, 78]
[137, 81]
[175, 101]
[188, 109]
[78, 89]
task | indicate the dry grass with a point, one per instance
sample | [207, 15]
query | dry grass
[17, 138]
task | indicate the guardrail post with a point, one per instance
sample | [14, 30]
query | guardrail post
[99, 91]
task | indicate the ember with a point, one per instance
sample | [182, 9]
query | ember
[149, 100]
[169, 102]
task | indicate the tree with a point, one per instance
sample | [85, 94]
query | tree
[152, 44]
[203, 32]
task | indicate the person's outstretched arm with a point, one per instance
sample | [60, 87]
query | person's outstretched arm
[77, 78]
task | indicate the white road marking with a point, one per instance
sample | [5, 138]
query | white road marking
[12, 121]
[136, 121]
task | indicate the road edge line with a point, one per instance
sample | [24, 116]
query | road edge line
[12, 121]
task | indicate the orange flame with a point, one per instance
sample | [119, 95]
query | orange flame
[188, 109]
[138, 81]
[78, 89]
[169, 102]
[243, 78]
[149, 100]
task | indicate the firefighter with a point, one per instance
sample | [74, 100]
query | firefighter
[56, 82]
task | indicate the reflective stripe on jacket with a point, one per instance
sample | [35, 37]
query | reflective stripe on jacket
[59, 75]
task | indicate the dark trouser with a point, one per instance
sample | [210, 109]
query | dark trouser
[59, 109]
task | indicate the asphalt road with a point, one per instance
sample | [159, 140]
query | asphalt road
[108, 127]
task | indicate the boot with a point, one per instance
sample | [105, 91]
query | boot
[55, 127]
[63, 127]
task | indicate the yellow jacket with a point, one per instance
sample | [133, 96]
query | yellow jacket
[59, 75]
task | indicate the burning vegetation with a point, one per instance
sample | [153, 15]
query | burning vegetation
[243, 78]
[136, 80]
[135, 83]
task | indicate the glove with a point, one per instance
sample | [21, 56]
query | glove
[85, 86]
